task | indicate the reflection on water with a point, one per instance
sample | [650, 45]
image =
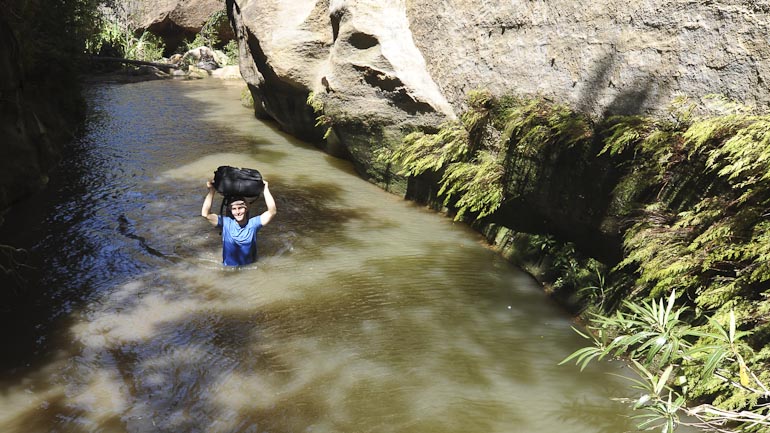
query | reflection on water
[365, 313]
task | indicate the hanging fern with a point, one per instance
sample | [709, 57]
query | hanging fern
[422, 152]
[474, 186]
[496, 142]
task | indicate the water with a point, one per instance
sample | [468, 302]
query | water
[364, 313]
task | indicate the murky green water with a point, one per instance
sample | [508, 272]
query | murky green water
[364, 313]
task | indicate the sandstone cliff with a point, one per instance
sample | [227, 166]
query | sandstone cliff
[380, 67]
[362, 74]
[359, 61]
[617, 56]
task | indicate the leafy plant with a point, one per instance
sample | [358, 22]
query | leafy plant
[322, 120]
[494, 144]
[231, 51]
[247, 99]
[663, 351]
[147, 47]
[208, 36]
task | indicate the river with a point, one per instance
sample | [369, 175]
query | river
[364, 312]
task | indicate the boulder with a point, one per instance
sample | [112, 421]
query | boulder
[230, 72]
[190, 15]
[175, 20]
[197, 72]
[357, 59]
[203, 57]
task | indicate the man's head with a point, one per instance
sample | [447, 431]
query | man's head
[238, 208]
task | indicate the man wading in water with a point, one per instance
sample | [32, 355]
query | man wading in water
[239, 232]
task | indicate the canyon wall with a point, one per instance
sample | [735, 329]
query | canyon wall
[360, 75]
[613, 56]
[379, 67]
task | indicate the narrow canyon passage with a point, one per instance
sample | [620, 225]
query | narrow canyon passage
[364, 312]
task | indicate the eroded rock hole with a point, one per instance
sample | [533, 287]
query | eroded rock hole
[363, 41]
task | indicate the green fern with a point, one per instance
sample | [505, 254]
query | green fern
[624, 132]
[422, 152]
[474, 186]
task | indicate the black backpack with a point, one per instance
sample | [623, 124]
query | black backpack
[243, 182]
[234, 182]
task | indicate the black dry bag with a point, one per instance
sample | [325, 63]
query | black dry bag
[232, 181]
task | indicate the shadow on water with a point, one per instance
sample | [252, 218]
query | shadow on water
[169, 360]
[158, 357]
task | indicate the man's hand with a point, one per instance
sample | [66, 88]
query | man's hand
[206, 208]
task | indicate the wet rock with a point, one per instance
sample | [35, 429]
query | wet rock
[196, 72]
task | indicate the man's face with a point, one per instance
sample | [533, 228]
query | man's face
[239, 209]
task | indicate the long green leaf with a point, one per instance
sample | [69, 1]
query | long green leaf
[663, 379]
[671, 301]
[732, 327]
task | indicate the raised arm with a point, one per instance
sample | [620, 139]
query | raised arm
[271, 209]
[206, 208]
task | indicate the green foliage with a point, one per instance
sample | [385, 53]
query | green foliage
[705, 231]
[315, 103]
[674, 362]
[50, 39]
[109, 37]
[52, 36]
[209, 36]
[322, 120]
[561, 263]
[474, 186]
[115, 35]
[198, 41]
[422, 152]
[147, 47]
[713, 243]
[247, 99]
[496, 142]
[623, 132]
[535, 124]
[231, 51]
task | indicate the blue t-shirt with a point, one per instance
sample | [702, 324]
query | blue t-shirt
[239, 244]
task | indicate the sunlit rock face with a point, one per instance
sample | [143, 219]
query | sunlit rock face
[376, 64]
[358, 59]
[599, 57]
[189, 15]
[376, 70]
